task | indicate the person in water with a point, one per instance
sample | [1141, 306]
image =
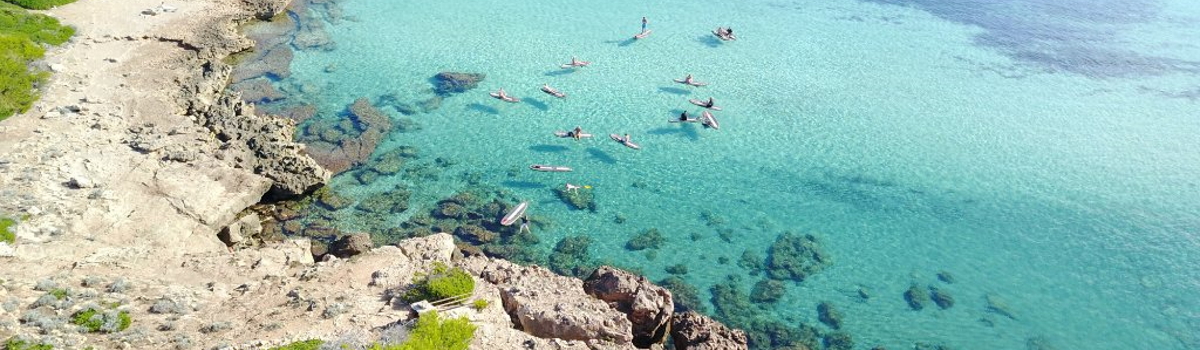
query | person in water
[577, 133]
[709, 103]
[524, 224]
[575, 62]
[683, 117]
[644, 22]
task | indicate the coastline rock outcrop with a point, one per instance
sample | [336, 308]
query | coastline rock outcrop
[351, 245]
[693, 331]
[547, 305]
[649, 306]
[339, 145]
[265, 9]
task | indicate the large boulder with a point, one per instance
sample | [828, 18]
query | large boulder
[649, 307]
[351, 245]
[547, 305]
[693, 331]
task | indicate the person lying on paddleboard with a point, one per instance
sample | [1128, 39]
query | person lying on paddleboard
[709, 103]
[577, 133]
[683, 117]
[575, 62]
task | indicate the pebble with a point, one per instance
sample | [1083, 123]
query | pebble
[57, 67]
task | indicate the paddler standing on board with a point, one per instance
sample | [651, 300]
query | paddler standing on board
[644, 22]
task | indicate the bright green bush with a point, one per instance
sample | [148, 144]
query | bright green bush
[480, 304]
[434, 333]
[18, 344]
[93, 320]
[311, 344]
[39, 4]
[6, 236]
[443, 282]
[37, 27]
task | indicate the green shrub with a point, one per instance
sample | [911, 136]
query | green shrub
[433, 333]
[18, 344]
[6, 236]
[39, 4]
[480, 304]
[110, 321]
[443, 282]
[38, 28]
[311, 344]
[60, 293]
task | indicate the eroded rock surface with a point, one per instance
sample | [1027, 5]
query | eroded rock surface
[649, 306]
[693, 331]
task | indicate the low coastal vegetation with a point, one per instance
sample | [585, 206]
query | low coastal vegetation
[96, 319]
[6, 235]
[15, 343]
[22, 39]
[431, 332]
[441, 283]
[39, 4]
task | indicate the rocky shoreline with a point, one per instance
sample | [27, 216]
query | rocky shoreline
[135, 159]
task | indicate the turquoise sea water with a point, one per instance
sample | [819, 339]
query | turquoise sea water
[1043, 152]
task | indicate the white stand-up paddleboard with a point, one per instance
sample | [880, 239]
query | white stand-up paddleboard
[703, 104]
[514, 214]
[643, 35]
[709, 120]
[504, 98]
[689, 120]
[620, 139]
[565, 134]
[553, 92]
[693, 83]
[550, 168]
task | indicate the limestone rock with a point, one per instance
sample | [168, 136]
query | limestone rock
[693, 331]
[547, 305]
[80, 182]
[649, 307]
[351, 245]
[265, 9]
[439, 247]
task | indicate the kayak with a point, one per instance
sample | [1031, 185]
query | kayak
[550, 168]
[514, 214]
[704, 104]
[620, 139]
[582, 135]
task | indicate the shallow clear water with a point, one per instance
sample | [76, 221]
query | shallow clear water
[1041, 151]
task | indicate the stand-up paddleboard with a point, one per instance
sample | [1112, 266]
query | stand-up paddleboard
[693, 83]
[722, 36]
[643, 35]
[514, 214]
[703, 104]
[689, 120]
[580, 64]
[550, 168]
[552, 92]
[709, 120]
[504, 98]
[620, 139]
[582, 135]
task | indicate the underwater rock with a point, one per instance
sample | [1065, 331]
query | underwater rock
[475, 234]
[996, 304]
[767, 291]
[795, 257]
[649, 306]
[685, 296]
[332, 200]
[456, 82]
[348, 142]
[570, 257]
[928, 346]
[366, 176]
[578, 199]
[693, 331]
[274, 63]
[648, 239]
[391, 202]
[257, 91]
[838, 341]
[450, 210]
[942, 298]
[677, 269]
[829, 315]
[916, 297]
[752, 261]
[387, 164]
[730, 302]
[945, 276]
[298, 114]
[431, 104]
[1039, 343]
